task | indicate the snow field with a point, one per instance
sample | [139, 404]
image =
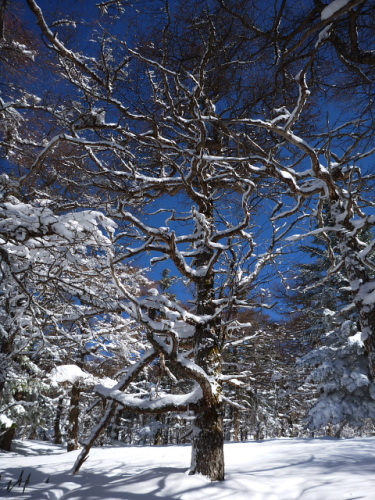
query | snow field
[278, 469]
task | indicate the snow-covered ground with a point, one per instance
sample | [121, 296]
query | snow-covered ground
[282, 469]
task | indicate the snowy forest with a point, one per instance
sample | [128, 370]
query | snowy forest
[187, 211]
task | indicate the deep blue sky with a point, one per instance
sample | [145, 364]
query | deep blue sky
[86, 11]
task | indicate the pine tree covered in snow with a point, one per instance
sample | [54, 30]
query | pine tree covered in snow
[339, 370]
[336, 361]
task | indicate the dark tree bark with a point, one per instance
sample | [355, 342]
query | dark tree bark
[208, 435]
[6, 438]
[73, 430]
[57, 422]
[208, 442]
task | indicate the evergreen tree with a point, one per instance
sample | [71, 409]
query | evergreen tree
[336, 359]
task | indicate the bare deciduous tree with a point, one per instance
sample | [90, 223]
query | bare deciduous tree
[190, 146]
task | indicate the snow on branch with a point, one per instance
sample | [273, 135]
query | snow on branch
[169, 402]
[23, 221]
[335, 7]
[58, 45]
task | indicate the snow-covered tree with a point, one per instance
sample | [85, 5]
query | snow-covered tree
[319, 310]
[54, 294]
[170, 150]
[340, 372]
[191, 147]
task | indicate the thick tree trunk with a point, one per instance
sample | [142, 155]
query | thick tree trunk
[208, 443]
[73, 430]
[208, 437]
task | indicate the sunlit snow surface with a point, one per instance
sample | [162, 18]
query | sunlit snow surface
[284, 469]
